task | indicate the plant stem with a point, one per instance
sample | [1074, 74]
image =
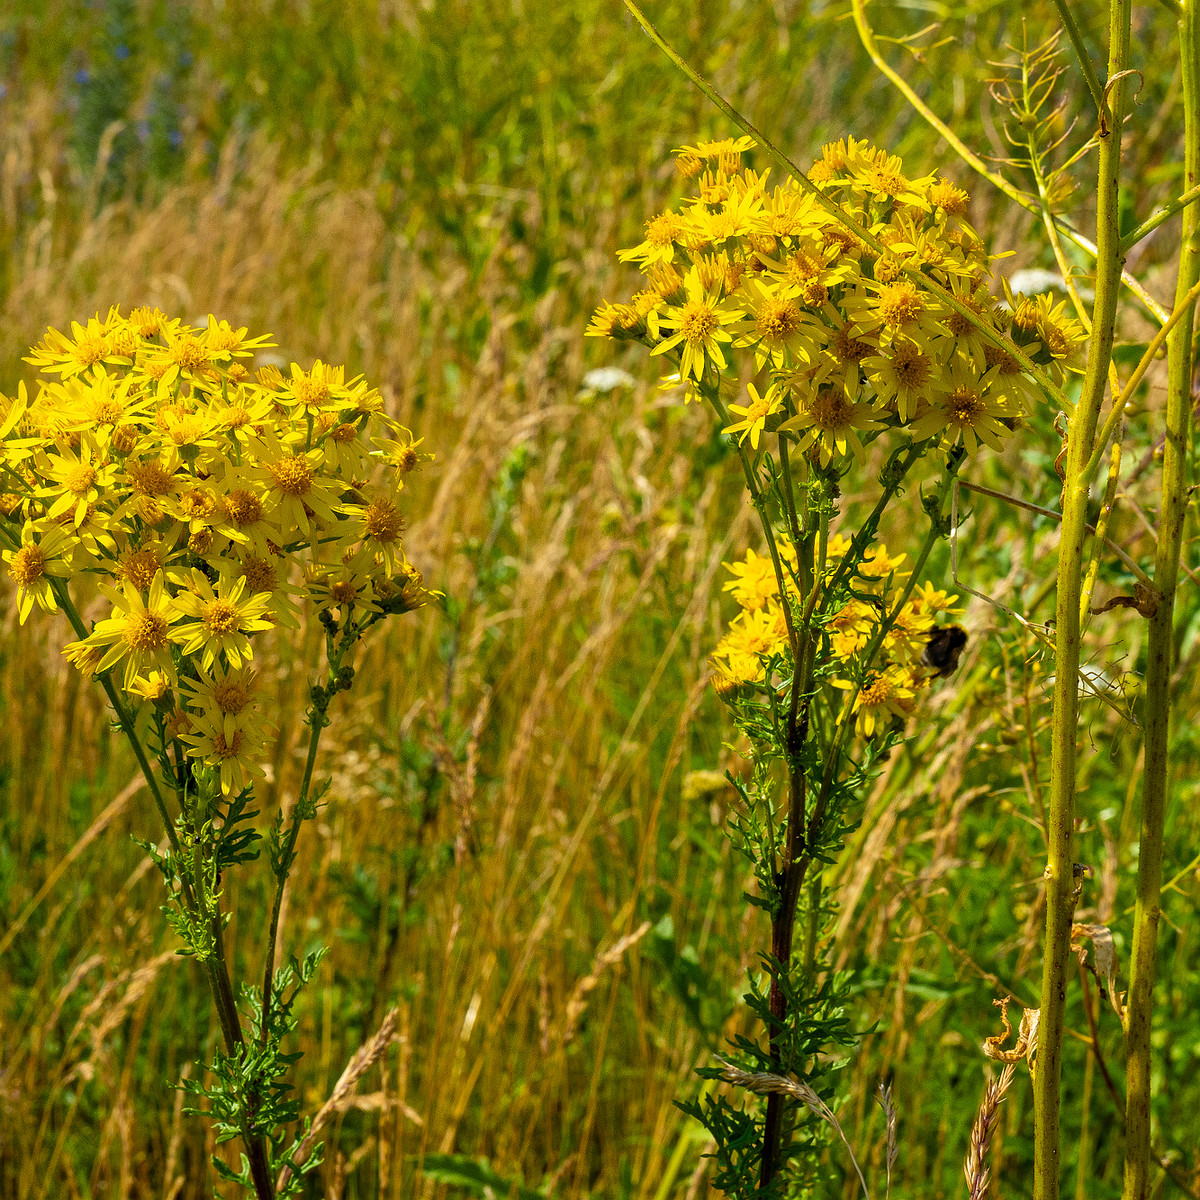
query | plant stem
[1161, 646]
[801, 840]
[335, 651]
[1155, 219]
[1059, 872]
[125, 719]
[314, 738]
[1085, 62]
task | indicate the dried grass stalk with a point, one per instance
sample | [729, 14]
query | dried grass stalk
[765, 1083]
[365, 1057]
[978, 1175]
[889, 1112]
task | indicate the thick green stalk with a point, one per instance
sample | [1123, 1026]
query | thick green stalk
[1059, 873]
[1138, 1154]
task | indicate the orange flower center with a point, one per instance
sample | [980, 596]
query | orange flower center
[231, 697]
[900, 303]
[228, 749]
[910, 366]
[259, 575]
[243, 507]
[698, 322]
[965, 406]
[830, 409]
[778, 319]
[383, 521]
[879, 691]
[221, 618]
[139, 568]
[28, 565]
[293, 476]
[146, 631]
[189, 353]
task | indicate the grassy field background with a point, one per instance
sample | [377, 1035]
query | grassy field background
[517, 852]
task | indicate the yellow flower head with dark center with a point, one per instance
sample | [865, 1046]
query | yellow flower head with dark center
[778, 319]
[231, 745]
[902, 376]
[260, 574]
[293, 475]
[222, 620]
[138, 632]
[881, 694]
[831, 422]
[189, 354]
[697, 328]
[139, 568]
[28, 565]
[662, 232]
[382, 521]
[243, 507]
[849, 349]
[966, 411]
[150, 478]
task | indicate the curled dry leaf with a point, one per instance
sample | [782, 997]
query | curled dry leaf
[1144, 599]
[1106, 959]
[1027, 1037]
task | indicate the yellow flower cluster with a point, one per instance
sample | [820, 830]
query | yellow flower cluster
[759, 631]
[843, 341]
[204, 502]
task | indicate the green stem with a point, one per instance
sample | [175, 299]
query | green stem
[1059, 873]
[1085, 62]
[1101, 538]
[1159, 664]
[1152, 222]
[335, 651]
[125, 719]
[298, 808]
[790, 874]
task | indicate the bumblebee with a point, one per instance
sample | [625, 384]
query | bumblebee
[943, 649]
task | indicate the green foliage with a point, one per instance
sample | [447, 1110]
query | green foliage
[248, 1093]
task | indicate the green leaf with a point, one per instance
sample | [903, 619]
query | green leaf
[476, 1177]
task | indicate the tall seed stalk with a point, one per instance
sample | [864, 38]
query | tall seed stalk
[1161, 640]
[1059, 872]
